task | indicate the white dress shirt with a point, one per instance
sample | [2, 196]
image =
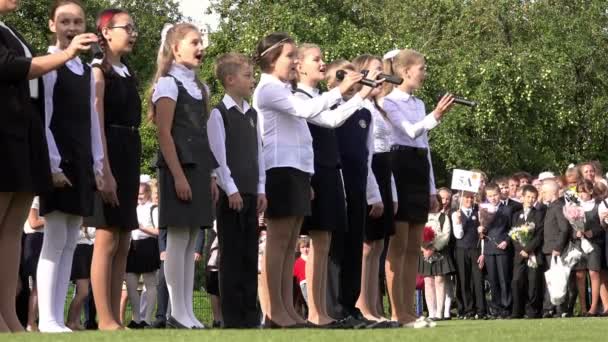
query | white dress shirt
[120, 69]
[458, 227]
[27, 229]
[74, 65]
[217, 141]
[144, 218]
[34, 92]
[286, 137]
[382, 132]
[407, 114]
[166, 86]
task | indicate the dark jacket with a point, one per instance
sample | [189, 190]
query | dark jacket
[556, 228]
[537, 217]
[498, 231]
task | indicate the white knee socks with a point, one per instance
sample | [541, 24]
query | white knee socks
[179, 273]
[54, 268]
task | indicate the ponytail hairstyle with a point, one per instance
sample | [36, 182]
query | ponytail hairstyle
[105, 19]
[172, 35]
[362, 63]
[387, 68]
[269, 49]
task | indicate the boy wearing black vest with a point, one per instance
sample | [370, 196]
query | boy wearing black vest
[469, 260]
[235, 140]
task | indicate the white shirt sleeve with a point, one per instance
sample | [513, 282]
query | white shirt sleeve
[36, 203]
[394, 189]
[373, 190]
[165, 87]
[96, 143]
[280, 99]
[400, 121]
[333, 118]
[217, 141]
[49, 87]
[261, 163]
[458, 229]
[433, 189]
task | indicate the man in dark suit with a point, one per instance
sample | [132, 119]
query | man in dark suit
[503, 185]
[555, 239]
[497, 257]
[527, 274]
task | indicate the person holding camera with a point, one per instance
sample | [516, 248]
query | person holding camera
[414, 178]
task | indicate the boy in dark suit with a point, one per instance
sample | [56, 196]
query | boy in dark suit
[503, 185]
[527, 274]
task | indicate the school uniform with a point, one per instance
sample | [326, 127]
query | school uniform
[73, 136]
[590, 261]
[470, 277]
[443, 263]
[288, 146]
[383, 182]
[122, 118]
[189, 133]
[83, 256]
[236, 143]
[355, 142]
[527, 281]
[32, 245]
[22, 138]
[499, 264]
[512, 204]
[144, 255]
[412, 166]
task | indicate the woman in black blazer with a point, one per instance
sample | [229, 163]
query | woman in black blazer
[25, 167]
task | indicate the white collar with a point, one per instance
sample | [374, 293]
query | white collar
[401, 95]
[229, 103]
[308, 89]
[3, 24]
[55, 49]
[181, 72]
[268, 78]
[120, 69]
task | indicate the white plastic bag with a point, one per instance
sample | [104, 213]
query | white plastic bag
[586, 246]
[557, 280]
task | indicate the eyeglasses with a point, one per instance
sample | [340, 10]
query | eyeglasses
[130, 29]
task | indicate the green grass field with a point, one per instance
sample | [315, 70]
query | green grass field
[576, 329]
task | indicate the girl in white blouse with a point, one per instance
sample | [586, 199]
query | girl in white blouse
[289, 163]
[413, 176]
[76, 158]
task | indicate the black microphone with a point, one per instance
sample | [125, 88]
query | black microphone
[340, 77]
[96, 51]
[459, 100]
[387, 78]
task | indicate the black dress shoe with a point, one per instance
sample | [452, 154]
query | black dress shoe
[351, 322]
[216, 324]
[548, 314]
[158, 324]
[134, 325]
[172, 323]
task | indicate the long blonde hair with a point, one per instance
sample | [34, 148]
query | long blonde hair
[165, 59]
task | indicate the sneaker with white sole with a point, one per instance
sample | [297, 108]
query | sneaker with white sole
[417, 324]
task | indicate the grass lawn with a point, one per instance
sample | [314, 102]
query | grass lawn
[574, 329]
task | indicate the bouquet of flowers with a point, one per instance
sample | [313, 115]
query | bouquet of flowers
[523, 235]
[487, 212]
[575, 214]
[428, 244]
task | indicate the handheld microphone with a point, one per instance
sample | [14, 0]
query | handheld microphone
[387, 78]
[96, 51]
[459, 100]
[341, 73]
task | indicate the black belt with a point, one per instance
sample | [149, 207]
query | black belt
[418, 150]
[130, 128]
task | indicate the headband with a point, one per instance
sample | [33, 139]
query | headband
[274, 46]
[391, 54]
[164, 32]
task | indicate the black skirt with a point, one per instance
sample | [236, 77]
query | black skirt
[81, 265]
[411, 171]
[328, 205]
[592, 261]
[383, 226]
[287, 192]
[144, 256]
[443, 266]
[32, 246]
[212, 283]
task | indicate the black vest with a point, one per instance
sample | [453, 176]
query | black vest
[71, 119]
[241, 147]
[470, 224]
[352, 143]
[324, 143]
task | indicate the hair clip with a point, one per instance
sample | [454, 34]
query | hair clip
[391, 54]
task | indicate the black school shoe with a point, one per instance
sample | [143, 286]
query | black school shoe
[158, 324]
[172, 323]
[134, 325]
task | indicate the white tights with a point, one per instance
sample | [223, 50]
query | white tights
[179, 273]
[61, 233]
[137, 300]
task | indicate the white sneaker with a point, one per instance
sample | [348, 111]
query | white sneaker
[417, 324]
[430, 322]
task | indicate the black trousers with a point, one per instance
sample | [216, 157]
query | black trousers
[567, 307]
[500, 270]
[470, 281]
[527, 290]
[162, 294]
[350, 266]
[238, 241]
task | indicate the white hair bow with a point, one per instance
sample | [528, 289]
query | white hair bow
[391, 54]
[163, 33]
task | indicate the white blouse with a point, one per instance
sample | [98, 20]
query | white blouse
[286, 137]
[410, 123]
[382, 129]
[27, 229]
[120, 69]
[34, 92]
[216, 132]
[166, 86]
[144, 218]
[75, 65]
